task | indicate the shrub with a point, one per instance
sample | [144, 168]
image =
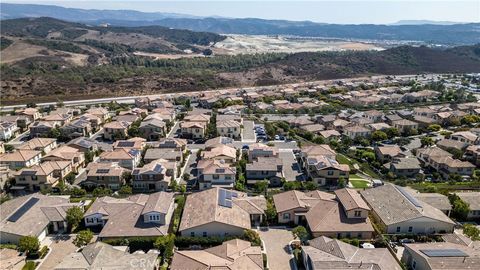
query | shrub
[29, 244]
[74, 216]
[43, 252]
[83, 238]
[29, 265]
[252, 236]
[301, 233]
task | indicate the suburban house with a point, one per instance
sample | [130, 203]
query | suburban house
[77, 128]
[328, 253]
[67, 153]
[116, 130]
[152, 129]
[404, 125]
[21, 158]
[193, 130]
[104, 174]
[437, 200]
[128, 159]
[265, 168]
[129, 144]
[398, 212]
[387, 153]
[292, 205]
[473, 200]
[261, 150]
[35, 215]
[457, 252]
[41, 128]
[229, 128]
[100, 255]
[232, 254]
[148, 215]
[443, 162]
[220, 212]
[8, 130]
[220, 152]
[215, 173]
[43, 175]
[153, 154]
[173, 143]
[472, 153]
[58, 118]
[31, 113]
[356, 131]
[154, 176]
[465, 137]
[326, 171]
[95, 122]
[407, 167]
[101, 113]
[45, 145]
[83, 144]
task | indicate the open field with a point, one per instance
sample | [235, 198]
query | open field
[241, 44]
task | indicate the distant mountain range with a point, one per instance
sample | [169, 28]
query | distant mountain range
[430, 32]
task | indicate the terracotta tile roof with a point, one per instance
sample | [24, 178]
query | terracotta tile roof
[20, 155]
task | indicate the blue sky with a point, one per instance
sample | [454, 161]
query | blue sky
[353, 11]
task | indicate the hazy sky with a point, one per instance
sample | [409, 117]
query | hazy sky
[319, 11]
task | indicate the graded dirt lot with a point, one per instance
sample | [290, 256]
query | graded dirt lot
[241, 44]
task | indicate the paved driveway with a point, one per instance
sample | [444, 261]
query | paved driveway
[276, 245]
[60, 246]
[291, 168]
[248, 134]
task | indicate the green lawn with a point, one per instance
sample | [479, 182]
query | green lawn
[344, 160]
[359, 183]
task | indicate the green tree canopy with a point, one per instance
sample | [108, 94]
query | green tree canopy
[74, 216]
[83, 238]
[301, 233]
[29, 244]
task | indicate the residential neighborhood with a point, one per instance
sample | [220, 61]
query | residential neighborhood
[370, 173]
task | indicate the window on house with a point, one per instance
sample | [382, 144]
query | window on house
[192, 234]
[286, 215]
[330, 172]
[410, 229]
[204, 234]
[358, 213]
[398, 229]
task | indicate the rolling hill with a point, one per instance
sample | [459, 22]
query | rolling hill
[443, 33]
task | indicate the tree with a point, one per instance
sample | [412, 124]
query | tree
[301, 233]
[261, 186]
[271, 212]
[29, 244]
[471, 231]
[341, 182]
[83, 238]
[460, 208]
[252, 236]
[426, 141]
[78, 192]
[74, 216]
[379, 136]
[392, 132]
[99, 192]
[311, 185]
[54, 133]
[9, 148]
[89, 155]
[434, 128]
[125, 190]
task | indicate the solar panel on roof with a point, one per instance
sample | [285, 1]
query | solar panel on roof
[28, 172]
[23, 209]
[221, 197]
[408, 196]
[103, 170]
[158, 168]
[234, 194]
[126, 144]
[228, 203]
[228, 194]
[444, 253]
